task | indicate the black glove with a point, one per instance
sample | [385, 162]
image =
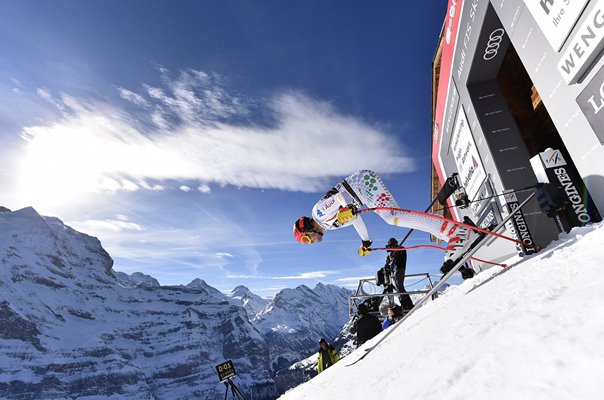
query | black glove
[446, 267]
[467, 273]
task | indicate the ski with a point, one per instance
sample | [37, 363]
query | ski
[480, 241]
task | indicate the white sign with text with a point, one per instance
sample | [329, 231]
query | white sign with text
[469, 166]
[586, 44]
[556, 18]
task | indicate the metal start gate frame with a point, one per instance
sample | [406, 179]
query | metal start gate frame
[360, 295]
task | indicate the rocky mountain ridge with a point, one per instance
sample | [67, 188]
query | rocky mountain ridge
[72, 327]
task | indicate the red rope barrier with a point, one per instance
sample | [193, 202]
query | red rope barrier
[431, 246]
[474, 228]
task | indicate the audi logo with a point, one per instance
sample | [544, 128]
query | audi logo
[495, 39]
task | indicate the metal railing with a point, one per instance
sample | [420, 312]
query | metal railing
[368, 289]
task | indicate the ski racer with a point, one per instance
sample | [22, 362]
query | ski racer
[339, 208]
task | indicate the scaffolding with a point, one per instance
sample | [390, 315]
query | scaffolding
[369, 289]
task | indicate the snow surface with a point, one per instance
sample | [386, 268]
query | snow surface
[534, 330]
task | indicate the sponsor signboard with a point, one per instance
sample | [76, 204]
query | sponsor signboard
[451, 111]
[482, 198]
[556, 18]
[591, 103]
[490, 50]
[585, 45]
[518, 226]
[465, 153]
[490, 217]
[580, 208]
[450, 33]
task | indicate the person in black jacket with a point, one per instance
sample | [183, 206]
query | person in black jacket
[366, 326]
[396, 262]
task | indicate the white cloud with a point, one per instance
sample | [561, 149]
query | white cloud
[117, 225]
[304, 275]
[96, 147]
[353, 279]
[204, 189]
[132, 97]
[184, 188]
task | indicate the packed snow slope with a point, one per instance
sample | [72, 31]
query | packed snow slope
[534, 330]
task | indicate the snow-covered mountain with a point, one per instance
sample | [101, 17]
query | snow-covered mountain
[248, 300]
[292, 324]
[296, 319]
[136, 279]
[533, 331]
[72, 328]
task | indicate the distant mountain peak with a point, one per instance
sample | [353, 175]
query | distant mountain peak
[252, 303]
[136, 279]
[239, 291]
[197, 283]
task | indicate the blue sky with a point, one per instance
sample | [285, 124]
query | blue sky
[188, 136]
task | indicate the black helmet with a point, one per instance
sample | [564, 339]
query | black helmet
[392, 243]
[362, 308]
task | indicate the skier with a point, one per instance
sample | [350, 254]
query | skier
[339, 208]
[328, 356]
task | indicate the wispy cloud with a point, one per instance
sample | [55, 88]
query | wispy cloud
[304, 275]
[134, 98]
[194, 130]
[109, 225]
[354, 279]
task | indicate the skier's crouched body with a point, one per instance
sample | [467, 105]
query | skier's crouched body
[339, 208]
[366, 326]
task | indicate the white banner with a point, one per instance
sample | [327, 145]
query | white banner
[556, 18]
[585, 45]
[470, 168]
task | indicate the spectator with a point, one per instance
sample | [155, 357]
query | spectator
[389, 319]
[396, 262]
[327, 356]
[366, 326]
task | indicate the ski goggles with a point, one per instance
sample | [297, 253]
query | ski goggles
[302, 230]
